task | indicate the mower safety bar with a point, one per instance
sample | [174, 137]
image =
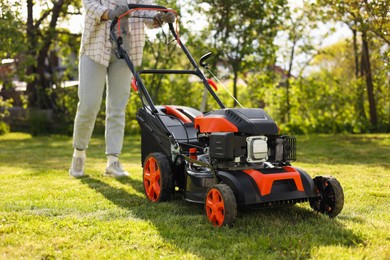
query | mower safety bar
[135, 6]
[180, 72]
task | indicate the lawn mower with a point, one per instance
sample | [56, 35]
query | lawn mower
[226, 158]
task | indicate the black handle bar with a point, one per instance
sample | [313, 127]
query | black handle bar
[203, 59]
[134, 6]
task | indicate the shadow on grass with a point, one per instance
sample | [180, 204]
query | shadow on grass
[54, 151]
[273, 233]
[136, 184]
[349, 149]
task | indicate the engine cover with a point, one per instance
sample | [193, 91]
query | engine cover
[249, 121]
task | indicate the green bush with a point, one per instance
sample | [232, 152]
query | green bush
[4, 128]
[39, 122]
[4, 105]
[65, 101]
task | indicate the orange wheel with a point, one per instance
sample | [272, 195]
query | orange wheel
[157, 177]
[220, 205]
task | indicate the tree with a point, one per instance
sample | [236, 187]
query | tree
[295, 42]
[41, 33]
[241, 33]
[370, 19]
[12, 41]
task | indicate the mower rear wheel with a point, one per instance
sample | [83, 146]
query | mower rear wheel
[221, 205]
[330, 200]
[157, 177]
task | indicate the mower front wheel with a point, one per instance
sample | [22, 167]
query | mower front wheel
[221, 205]
[330, 200]
[157, 177]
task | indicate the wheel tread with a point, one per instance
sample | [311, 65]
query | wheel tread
[165, 176]
[230, 204]
[336, 192]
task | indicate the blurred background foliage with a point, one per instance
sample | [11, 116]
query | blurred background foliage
[268, 54]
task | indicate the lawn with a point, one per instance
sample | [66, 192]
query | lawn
[46, 214]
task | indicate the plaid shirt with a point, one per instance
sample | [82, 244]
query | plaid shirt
[95, 40]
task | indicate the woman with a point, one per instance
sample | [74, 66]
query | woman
[99, 67]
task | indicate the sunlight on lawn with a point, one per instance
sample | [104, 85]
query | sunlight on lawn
[47, 214]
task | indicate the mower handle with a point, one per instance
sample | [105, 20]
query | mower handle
[135, 6]
[203, 59]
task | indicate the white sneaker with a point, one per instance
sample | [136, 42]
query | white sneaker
[115, 170]
[77, 168]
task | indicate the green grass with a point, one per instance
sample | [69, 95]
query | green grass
[44, 213]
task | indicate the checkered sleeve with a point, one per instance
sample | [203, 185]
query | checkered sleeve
[94, 9]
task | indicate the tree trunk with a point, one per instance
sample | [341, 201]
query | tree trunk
[235, 79]
[355, 52]
[359, 72]
[203, 105]
[290, 65]
[369, 85]
[32, 41]
[36, 89]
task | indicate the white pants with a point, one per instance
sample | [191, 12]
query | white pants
[93, 77]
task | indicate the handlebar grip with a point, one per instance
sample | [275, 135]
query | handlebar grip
[203, 59]
[135, 6]
[114, 22]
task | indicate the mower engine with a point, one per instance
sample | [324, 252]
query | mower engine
[239, 138]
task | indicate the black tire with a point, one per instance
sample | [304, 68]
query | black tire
[221, 205]
[330, 200]
[157, 177]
